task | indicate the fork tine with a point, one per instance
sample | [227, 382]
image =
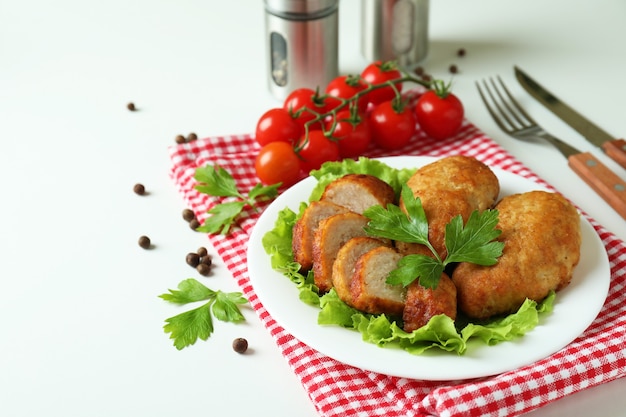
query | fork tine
[505, 109]
[501, 116]
[519, 108]
[490, 109]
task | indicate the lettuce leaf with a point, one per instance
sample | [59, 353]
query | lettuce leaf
[277, 244]
[441, 331]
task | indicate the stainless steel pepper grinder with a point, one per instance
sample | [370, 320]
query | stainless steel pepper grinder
[302, 43]
[395, 30]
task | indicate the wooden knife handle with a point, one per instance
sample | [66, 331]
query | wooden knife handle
[616, 150]
[603, 181]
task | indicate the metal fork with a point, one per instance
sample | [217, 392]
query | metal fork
[513, 120]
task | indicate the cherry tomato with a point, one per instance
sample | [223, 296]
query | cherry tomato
[440, 117]
[277, 162]
[305, 97]
[346, 86]
[393, 124]
[378, 73]
[315, 149]
[276, 125]
[353, 134]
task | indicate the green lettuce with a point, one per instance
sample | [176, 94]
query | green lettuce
[441, 331]
[277, 244]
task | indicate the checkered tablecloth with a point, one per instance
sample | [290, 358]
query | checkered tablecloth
[336, 389]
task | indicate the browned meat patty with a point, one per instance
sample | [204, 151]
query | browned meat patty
[333, 232]
[542, 239]
[449, 187]
[305, 227]
[358, 192]
[369, 289]
[423, 303]
[347, 257]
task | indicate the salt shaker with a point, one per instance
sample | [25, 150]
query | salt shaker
[302, 44]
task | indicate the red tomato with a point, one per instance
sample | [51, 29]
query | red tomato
[277, 162]
[440, 117]
[276, 125]
[392, 125]
[378, 73]
[354, 136]
[315, 149]
[305, 97]
[345, 87]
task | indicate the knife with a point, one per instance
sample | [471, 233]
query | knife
[614, 148]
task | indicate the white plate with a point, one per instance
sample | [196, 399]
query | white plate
[574, 310]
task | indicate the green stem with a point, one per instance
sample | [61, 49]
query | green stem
[435, 253]
[319, 117]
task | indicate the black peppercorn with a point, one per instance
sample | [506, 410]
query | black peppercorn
[240, 345]
[144, 242]
[206, 260]
[194, 224]
[192, 259]
[203, 269]
[188, 215]
[453, 69]
[139, 189]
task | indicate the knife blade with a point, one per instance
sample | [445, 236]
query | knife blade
[614, 148]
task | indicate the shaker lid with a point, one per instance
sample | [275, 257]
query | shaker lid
[301, 9]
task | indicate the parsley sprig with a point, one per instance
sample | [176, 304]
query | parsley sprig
[217, 182]
[473, 242]
[186, 328]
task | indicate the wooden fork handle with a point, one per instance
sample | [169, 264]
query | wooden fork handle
[603, 181]
[616, 150]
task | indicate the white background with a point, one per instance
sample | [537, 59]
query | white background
[81, 330]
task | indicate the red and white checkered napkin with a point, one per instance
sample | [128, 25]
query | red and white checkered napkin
[336, 389]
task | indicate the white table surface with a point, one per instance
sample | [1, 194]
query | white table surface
[81, 330]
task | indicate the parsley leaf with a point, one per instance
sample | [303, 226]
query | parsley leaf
[223, 217]
[215, 181]
[189, 290]
[410, 267]
[392, 223]
[225, 307]
[263, 191]
[189, 326]
[473, 242]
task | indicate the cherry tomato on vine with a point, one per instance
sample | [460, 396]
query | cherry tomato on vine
[277, 162]
[379, 72]
[315, 149]
[439, 112]
[353, 133]
[345, 87]
[393, 124]
[305, 97]
[277, 125]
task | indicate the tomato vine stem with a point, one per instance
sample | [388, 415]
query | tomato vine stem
[352, 103]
